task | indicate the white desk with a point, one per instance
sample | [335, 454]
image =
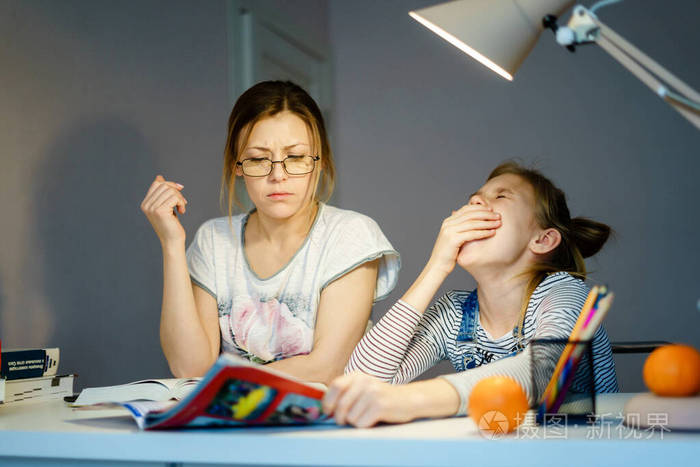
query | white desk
[54, 434]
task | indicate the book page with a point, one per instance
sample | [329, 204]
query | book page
[183, 387]
[147, 389]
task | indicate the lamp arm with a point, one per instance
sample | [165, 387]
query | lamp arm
[648, 62]
[587, 27]
[686, 107]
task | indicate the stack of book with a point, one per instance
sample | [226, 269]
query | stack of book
[28, 375]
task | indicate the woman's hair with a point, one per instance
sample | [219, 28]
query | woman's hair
[580, 237]
[267, 99]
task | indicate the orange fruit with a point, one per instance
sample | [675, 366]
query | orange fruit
[673, 371]
[497, 404]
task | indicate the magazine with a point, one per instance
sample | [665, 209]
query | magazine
[235, 392]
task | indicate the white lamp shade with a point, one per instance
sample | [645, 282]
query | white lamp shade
[498, 33]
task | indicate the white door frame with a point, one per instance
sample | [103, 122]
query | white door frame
[257, 34]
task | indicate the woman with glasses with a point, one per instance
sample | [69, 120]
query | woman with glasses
[290, 283]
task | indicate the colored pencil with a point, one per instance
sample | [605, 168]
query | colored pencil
[592, 314]
[550, 390]
[567, 376]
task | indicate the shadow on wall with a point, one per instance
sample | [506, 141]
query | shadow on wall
[101, 260]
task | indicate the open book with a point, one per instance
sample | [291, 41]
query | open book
[235, 392]
[147, 389]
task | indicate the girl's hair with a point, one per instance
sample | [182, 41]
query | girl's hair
[267, 99]
[580, 237]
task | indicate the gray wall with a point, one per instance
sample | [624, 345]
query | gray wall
[422, 124]
[96, 98]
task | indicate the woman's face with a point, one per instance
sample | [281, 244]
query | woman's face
[514, 199]
[279, 195]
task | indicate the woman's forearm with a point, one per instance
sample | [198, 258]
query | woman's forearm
[308, 368]
[182, 336]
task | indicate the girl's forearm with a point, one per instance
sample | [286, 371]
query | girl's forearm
[421, 293]
[182, 336]
[433, 398]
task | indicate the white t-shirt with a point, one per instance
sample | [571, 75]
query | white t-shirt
[274, 318]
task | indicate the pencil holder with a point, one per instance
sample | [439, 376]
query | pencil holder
[563, 381]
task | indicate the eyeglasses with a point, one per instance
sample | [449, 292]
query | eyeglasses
[293, 165]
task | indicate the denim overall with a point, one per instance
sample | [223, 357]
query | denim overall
[467, 334]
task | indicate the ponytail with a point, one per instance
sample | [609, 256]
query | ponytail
[588, 235]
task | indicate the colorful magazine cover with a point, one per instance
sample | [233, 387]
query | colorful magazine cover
[235, 392]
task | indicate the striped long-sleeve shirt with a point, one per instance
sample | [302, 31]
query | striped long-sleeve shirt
[404, 343]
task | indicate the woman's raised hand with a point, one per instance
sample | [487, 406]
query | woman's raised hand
[159, 205]
[471, 222]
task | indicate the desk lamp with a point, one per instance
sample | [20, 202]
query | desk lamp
[501, 33]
